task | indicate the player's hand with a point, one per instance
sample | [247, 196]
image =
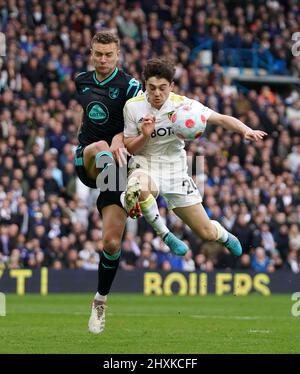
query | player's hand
[148, 125]
[254, 135]
[119, 151]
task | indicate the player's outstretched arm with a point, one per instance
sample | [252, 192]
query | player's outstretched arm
[235, 125]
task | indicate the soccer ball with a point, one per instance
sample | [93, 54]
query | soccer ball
[188, 122]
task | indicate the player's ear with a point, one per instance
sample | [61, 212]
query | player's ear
[172, 86]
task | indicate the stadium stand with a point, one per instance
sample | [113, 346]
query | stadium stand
[48, 218]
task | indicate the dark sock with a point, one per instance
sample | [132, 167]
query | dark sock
[108, 267]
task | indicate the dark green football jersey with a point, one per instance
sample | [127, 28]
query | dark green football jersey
[103, 103]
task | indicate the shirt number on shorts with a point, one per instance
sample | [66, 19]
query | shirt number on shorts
[190, 185]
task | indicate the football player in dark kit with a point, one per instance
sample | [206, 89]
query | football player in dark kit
[102, 94]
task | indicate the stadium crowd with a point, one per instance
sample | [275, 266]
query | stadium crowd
[48, 218]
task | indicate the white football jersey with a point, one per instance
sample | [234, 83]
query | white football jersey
[163, 145]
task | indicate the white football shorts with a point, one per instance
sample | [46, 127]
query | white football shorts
[171, 179]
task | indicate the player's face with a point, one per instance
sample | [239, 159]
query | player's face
[105, 58]
[158, 90]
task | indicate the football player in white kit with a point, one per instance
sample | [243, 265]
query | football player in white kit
[159, 163]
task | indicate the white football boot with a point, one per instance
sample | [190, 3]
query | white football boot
[131, 198]
[97, 318]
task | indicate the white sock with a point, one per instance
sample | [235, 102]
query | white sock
[150, 212]
[222, 233]
[100, 297]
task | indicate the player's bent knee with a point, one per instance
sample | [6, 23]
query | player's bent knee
[91, 150]
[144, 195]
[144, 190]
[100, 146]
[111, 244]
[147, 188]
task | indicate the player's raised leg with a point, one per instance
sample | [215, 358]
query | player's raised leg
[114, 220]
[97, 154]
[141, 190]
[196, 218]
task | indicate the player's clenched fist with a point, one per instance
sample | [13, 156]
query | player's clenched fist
[148, 125]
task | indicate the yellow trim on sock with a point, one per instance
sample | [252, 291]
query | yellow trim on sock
[147, 202]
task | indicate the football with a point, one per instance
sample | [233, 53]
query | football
[188, 122]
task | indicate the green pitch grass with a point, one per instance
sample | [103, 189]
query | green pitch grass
[144, 324]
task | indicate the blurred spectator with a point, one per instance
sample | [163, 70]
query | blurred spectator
[130, 253]
[260, 262]
[294, 158]
[225, 260]
[245, 262]
[294, 236]
[89, 257]
[188, 264]
[14, 260]
[293, 262]
[267, 238]
[282, 241]
[147, 259]
[242, 230]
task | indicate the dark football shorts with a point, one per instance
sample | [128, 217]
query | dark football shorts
[105, 198]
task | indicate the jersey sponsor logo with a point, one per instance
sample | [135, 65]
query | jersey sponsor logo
[85, 89]
[113, 92]
[163, 131]
[170, 114]
[139, 125]
[97, 112]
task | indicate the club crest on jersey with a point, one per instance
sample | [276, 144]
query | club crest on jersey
[170, 114]
[97, 112]
[113, 92]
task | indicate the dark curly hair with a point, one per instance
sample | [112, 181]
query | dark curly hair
[160, 68]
